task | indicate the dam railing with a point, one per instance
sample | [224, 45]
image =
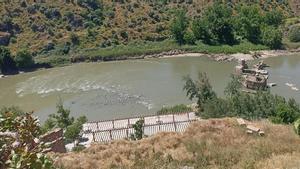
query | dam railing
[108, 130]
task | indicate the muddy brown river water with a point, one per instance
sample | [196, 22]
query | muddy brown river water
[128, 88]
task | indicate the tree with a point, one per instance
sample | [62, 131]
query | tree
[72, 132]
[200, 89]
[216, 108]
[179, 26]
[284, 114]
[274, 18]
[24, 59]
[201, 31]
[233, 86]
[294, 34]
[272, 37]
[248, 22]
[7, 64]
[138, 130]
[62, 116]
[215, 27]
[75, 39]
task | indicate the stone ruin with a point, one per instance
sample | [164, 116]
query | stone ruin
[54, 139]
[252, 78]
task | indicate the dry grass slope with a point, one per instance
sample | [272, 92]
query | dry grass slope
[217, 143]
[40, 22]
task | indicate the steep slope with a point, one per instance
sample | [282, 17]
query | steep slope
[206, 144]
[42, 25]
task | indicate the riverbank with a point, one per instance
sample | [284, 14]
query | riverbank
[164, 49]
[141, 50]
[252, 55]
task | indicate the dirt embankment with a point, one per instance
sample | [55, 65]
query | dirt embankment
[217, 143]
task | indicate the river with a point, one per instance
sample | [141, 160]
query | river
[120, 89]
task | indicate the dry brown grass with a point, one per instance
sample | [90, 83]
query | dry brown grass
[206, 144]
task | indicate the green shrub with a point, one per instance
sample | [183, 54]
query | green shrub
[297, 126]
[272, 37]
[138, 130]
[179, 26]
[189, 38]
[294, 34]
[24, 59]
[181, 108]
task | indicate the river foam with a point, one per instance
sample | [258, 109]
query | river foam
[45, 85]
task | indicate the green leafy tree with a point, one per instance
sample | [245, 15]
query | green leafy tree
[216, 108]
[248, 23]
[62, 116]
[72, 132]
[138, 130]
[216, 26]
[233, 86]
[272, 37]
[7, 64]
[201, 31]
[294, 34]
[274, 18]
[285, 114]
[189, 38]
[179, 26]
[24, 59]
[199, 89]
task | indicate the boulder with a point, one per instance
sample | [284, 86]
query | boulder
[4, 38]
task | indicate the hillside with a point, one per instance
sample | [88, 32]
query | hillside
[42, 25]
[216, 143]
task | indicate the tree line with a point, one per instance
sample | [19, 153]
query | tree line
[221, 24]
[237, 103]
[10, 64]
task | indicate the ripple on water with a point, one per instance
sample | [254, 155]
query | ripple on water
[45, 85]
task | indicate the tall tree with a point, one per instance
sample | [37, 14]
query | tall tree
[7, 64]
[179, 26]
[199, 89]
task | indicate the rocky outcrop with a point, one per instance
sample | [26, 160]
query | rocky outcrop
[4, 38]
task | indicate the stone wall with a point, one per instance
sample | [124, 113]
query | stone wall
[55, 139]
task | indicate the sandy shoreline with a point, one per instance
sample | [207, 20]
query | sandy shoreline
[231, 57]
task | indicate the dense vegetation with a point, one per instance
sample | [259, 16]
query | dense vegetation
[19, 130]
[219, 25]
[237, 103]
[180, 108]
[55, 32]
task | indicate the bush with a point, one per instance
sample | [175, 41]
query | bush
[294, 34]
[138, 130]
[24, 59]
[216, 26]
[178, 26]
[272, 37]
[7, 64]
[181, 108]
[75, 39]
[189, 38]
[297, 126]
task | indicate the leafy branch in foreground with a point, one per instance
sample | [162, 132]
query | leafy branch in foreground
[19, 146]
